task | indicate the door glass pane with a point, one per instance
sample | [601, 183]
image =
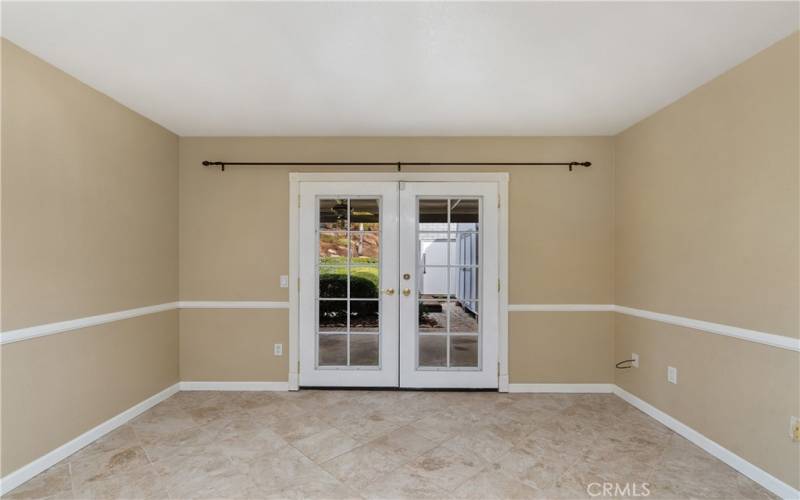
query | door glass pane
[364, 248]
[464, 283]
[364, 282]
[433, 249]
[332, 214]
[464, 214]
[364, 316]
[432, 282]
[432, 214]
[465, 249]
[364, 214]
[364, 350]
[463, 317]
[464, 351]
[332, 315]
[332, 248]
[432, 350]
[432, 316]
[333, 282]
[448, 288]
[332, 350]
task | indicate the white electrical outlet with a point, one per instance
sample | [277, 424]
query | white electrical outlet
[672, 375]
[635, 358]
[284, 281]
[278, 350]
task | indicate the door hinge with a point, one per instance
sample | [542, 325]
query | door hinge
[298, 201]
[498, 285]
[298, 366]
[498, 368]
[298, 285]
[498, 201]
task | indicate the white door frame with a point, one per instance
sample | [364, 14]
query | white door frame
[295, 178]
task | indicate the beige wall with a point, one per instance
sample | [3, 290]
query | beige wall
[89, 226]
[735, 392]
[561, 347]
[706, 201]
[89, 208]
[249, 335]
[707, 222]
[234, 233]
[58, 387]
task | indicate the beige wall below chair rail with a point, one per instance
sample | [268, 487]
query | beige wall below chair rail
[54, 388]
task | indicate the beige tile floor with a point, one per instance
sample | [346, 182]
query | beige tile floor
[375, 444]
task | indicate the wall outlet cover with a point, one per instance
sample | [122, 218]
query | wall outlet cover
[672, 375]
[278, 350]
[284, 281]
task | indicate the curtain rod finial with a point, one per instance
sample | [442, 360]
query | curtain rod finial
[220, 164]
[579, 163]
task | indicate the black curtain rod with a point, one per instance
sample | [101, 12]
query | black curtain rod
[398, 164]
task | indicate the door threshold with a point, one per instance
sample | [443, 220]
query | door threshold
[418, 389]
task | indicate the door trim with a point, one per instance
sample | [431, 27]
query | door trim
[295, 178]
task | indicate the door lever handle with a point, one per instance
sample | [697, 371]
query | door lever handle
[389, 291]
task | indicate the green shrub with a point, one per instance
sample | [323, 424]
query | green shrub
[362, 285]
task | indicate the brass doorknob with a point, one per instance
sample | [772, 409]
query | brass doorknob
[406, 291]
[389, 291]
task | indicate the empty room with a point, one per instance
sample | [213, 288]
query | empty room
[400, 250]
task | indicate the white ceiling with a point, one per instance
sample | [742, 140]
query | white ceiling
[223, 68]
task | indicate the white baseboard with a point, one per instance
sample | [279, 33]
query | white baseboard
[561, 307]
[48, 460]
[562, 388]
[234, 386]
[755, 473]
[232, 304]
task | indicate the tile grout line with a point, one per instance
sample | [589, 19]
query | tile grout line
[71, 480]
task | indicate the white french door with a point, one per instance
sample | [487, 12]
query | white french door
[398, 284]
[348, 324]
[448, 270]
